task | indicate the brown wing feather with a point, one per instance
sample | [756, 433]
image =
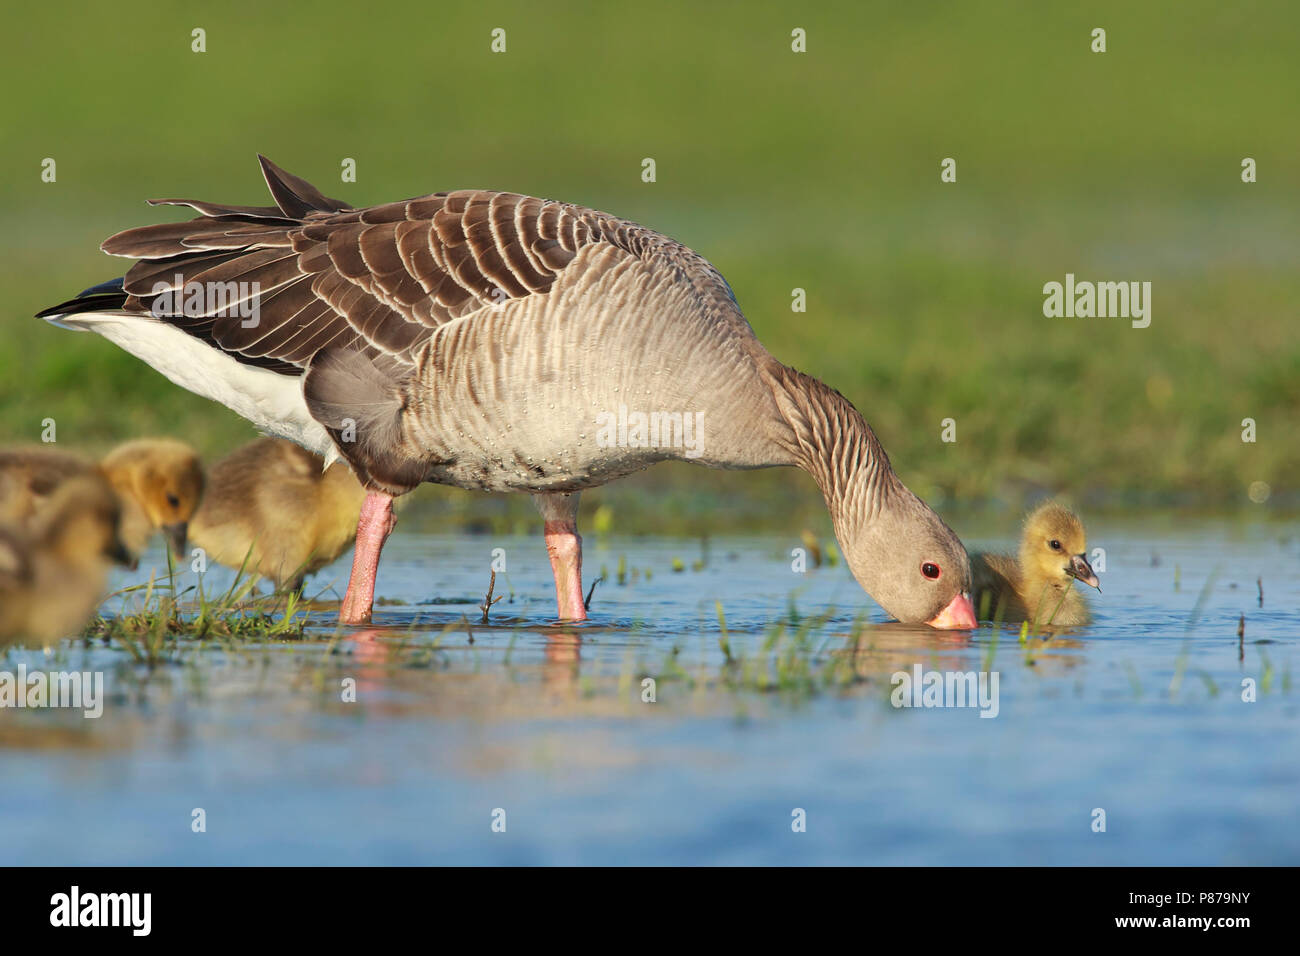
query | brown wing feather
[378, 279]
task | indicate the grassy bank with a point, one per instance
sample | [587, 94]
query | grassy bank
[816, 171]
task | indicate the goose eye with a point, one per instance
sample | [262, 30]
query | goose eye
[1054, 545]
[931, 571]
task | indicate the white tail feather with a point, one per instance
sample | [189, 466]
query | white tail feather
[272, 402]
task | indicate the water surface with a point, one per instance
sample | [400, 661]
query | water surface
[1140, 714]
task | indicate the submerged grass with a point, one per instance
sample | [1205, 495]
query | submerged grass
[155, 614]
[787, 659]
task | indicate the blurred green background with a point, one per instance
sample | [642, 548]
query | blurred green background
[818, 170]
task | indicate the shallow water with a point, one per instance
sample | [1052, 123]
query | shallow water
[1140, 714]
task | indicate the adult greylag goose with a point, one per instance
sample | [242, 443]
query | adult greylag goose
[272, 506]
[1038, 585]
[501, 342]
[53, 566]
[159, 482]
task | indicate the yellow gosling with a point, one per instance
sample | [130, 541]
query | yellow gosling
[159, 482]
[1038, 585]
[270, 501]
[53, 566]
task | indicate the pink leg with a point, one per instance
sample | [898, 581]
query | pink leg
[564, 545]
[373, 528]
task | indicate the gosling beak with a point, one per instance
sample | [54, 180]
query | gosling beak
[175, 534]
[118, 554]
[959, 614]
[1081, 570]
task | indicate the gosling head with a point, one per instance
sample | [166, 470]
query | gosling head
[1054, 547]
[165, 479]
[80, 525]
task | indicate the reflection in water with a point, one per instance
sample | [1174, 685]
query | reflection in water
[372, 651]
[883, 649]
[563, 664]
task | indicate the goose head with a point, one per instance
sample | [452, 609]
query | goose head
[909, 561]
[1053, 548]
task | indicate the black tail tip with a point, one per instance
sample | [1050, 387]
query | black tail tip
[106, 295]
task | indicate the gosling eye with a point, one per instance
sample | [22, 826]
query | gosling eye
[173, 500]
[931, 570]
[1054, 545]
